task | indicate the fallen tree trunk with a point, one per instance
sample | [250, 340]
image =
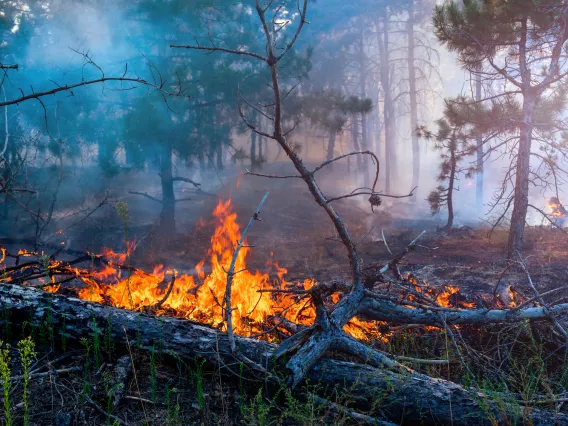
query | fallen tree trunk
[403, 398]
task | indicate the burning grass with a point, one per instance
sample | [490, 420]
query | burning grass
[264, 302]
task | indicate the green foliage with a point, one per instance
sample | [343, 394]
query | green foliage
[26, 349]
[173, 408]
[197, 375]
[96, 342]
[5, 374]
[329, 109]
[86, 388]
[454, 140]
[257, 413]
[482, 30]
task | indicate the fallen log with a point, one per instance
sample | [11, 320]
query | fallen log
[403, 398]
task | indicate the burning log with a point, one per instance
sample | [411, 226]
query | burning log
[410, 397]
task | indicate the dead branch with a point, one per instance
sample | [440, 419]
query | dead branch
[168, 292]
[538, 297]
[145, 194]
[248, 172]
[70, 87]
[231, 273]
[184, 179]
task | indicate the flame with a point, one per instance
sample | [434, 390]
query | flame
[556, 208]
[201, 296]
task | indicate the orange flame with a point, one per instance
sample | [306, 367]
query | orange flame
[556, 208]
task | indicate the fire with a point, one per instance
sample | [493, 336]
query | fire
[556, 208]
[201, 296]
[260, 300]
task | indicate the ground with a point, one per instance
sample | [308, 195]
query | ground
[296, 233]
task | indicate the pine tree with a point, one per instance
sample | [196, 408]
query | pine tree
[518, 43]
[454, 142]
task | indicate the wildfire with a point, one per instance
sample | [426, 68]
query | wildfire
[257, 308]
[200, 297]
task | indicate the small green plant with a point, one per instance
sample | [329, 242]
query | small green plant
[5, 373]
[46, 334]
[198, 376]
[86, 390]
[258, 412]
[45, 261]
[173, 408]
[110, 392]
[26, 349]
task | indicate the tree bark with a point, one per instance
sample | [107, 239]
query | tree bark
[388, 108]
[405, 398]
[167, 216]
[363, 94]
[479, 186]
[451, 183]
[331, 145]
[356, 145]
[253, 150]
[413, 99]
[219, 152]
[521, 202]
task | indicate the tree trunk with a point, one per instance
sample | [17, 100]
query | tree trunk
[219, 152]
[201, 159]
[167, 217]
[331, 145]
[356, 146]
[363, 94]
[451, 190]
[388, 109]
[260, 153]
[253, 150]
[406, 399]
[521, 202]
[479, 165]
[413, 100]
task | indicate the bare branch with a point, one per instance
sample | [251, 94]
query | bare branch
[144, 194]
[231, 273]
[218, 49]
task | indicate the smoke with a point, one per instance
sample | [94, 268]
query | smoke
[113, 35]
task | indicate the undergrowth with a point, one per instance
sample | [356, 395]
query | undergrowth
[511, 361]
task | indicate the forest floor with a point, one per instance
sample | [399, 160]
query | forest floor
[163, 392]
[295, 233]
